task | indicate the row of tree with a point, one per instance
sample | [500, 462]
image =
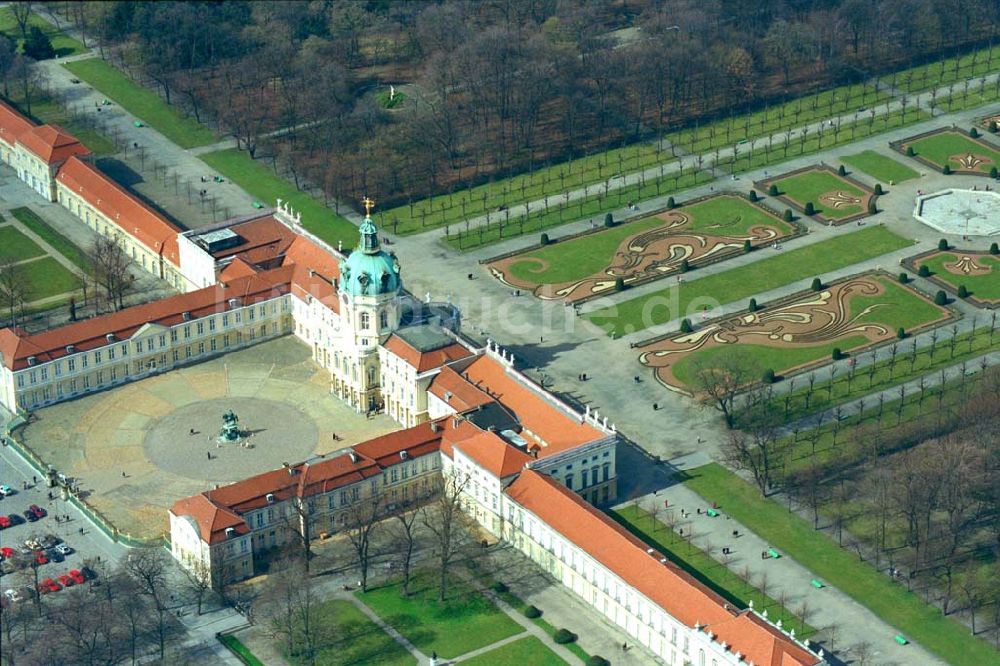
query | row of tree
[498, 86]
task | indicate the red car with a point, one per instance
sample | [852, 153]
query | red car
[66, 580]
[37, 511]
[40, 558]
[77, 577]
[6, 552]
[49, 585]
[4, 522]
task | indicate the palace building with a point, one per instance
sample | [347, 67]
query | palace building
[528, 466]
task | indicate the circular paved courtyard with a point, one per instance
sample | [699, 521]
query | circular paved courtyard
[132, 450]
[185, 441]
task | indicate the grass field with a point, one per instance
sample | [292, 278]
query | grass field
[260, 181]
[60, 243]
[985, 287]
[524, 651]
[241, 651]
[465, 621]
[347, 636]
[703, 567]
[144, 104]
[794, 536]
[942, 72]
[15, 246]
[47, 277]
[880, 167]
[61, 42]
[809, 186]
[583, 256]
[746, 281]
[938, 148]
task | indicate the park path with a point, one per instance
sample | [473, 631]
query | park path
[826, 608]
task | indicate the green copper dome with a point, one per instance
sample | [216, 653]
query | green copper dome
[369, 270]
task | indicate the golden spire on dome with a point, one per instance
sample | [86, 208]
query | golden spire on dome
[368, 203]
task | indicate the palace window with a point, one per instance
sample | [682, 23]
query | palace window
[365, 320]
[383, 319]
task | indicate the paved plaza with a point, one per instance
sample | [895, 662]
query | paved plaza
[132, 447]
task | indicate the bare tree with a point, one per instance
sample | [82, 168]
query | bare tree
[110, 264]
[721, 379]
[13, 289]
[403, 531]
[148, 568]
[199, 581]
[21, 12]
[362, 521]
[446, 521]
[290, 609]
[753, 448]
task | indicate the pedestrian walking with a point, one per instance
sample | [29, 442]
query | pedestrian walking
[123, 474]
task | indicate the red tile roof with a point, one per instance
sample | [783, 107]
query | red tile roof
[52, 143]
[457, 392]
[12, 124]
[761, 643]
[121, 207]
[665, 584]
[265, 239]
[316, 271]
[494, 454]
[419, 440]
[210, 519]
[91, 334]
[424, 361]
[537, 413]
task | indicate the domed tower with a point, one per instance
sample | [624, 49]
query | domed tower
[369, 289]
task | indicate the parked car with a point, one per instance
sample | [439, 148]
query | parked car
[6, 552]
[66, 580]
[41, 558]
[6, 490]
[77, 576]
[38, 511]
[15, 519]
[5, 522]
[49, 585]
[88, 573]
[13, 595]
[49, 541]
[63, 549]
[30, 515]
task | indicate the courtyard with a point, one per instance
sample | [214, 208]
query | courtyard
[796, 333]
[587, 265]
[137, 448]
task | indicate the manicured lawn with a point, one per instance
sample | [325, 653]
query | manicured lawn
[47, 277]
[465, 621]
[810, 185]
[985, 287]
[347, 636]
[914, 618]
[240, 650]
[937, 148]
[61, 42]
[699, 564]
[60, 243]
[880, 167]
[15, 246]
[260, 181]
[779, 359]
[142, 103]
[528, 650]
[746, 281]
[897, 307]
